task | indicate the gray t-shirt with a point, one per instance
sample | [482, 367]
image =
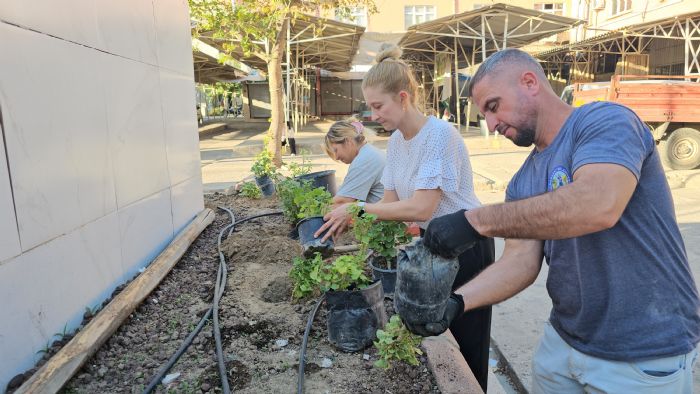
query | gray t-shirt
[363, 181]
[626, 293]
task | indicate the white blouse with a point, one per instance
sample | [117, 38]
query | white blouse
[436, 158]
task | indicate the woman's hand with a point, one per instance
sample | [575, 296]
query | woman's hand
[337, 222]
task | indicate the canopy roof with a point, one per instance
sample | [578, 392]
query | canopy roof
[319, 42]
[482, 31]
[673, 27]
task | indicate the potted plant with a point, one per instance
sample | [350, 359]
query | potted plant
[380, 239]
[264, 169]
[312, 205]
[354, 303]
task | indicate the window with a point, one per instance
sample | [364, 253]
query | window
[550, 8]
[357, 16]
[620, 6]
[416, 14]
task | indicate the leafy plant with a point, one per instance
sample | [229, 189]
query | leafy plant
[341, 274]
[298, 169]
[314, 202]
[304, 284]
[396, 343]
[381, 236]
[287, 188]
[251, 190]
[263, 165]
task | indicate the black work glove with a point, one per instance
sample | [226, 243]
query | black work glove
[450, 235]
[454, 308]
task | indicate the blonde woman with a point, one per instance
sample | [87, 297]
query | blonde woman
[346, 141]
[427, 175]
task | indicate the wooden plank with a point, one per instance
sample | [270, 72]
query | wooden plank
[61, 367]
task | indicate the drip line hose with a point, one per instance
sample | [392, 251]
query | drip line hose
[302, 351]
[218, 292]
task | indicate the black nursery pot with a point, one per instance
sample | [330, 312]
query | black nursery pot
[423, 284]
[310, 245]
[386, 276]
[266, 185]
[324, 179]
[354, 316]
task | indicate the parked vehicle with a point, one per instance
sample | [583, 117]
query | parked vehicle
[669, 105]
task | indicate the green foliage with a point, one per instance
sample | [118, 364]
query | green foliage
[252, 22]
[263, 165]
[396, 343]
[381, 236]
[342, 273]
[314, 202]
[303, 168]
[300, 274]
[286, 189]
[251, 190]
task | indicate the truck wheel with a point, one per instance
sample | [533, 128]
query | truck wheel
[682, 149]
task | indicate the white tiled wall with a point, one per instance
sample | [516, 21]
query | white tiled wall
[9, 237]
[99, 164]
[56, 130]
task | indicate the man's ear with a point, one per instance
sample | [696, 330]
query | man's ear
[529, 80]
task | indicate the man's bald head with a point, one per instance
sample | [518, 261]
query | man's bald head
[513, 60]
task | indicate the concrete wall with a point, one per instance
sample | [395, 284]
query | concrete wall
[99, 160]
[605, 18]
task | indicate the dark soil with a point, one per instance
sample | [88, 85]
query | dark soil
[261, 327]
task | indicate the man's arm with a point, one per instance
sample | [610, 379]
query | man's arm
[517, 269]
[593, 202]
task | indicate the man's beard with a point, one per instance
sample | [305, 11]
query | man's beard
[524, 137]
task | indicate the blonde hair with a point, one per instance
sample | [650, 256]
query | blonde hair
[392, 74]
[345, 130]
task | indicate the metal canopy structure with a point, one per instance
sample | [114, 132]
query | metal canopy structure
[470, 37]
[208, 69]
[312, 42]
[633, 40]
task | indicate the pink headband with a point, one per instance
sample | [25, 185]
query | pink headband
[358, 126]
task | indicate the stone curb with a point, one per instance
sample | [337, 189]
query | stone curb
[451, 372]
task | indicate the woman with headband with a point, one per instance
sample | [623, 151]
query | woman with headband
[346, 141]
[427, 175]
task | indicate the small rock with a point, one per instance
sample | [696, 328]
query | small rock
[164, 338]
[281, 343]
[175, 335]
[365, 357]
[205, 387]
[102, 372]
[169, 378]
[230, 191]
[326, 362]
[154, 301]
[120, 367]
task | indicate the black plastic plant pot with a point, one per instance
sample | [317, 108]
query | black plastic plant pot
[423, 284]
[266, 185]
[321, 179]
[386, 276]
[354, 316]
[310, 245]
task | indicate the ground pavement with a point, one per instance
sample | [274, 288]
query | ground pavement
[227, 155]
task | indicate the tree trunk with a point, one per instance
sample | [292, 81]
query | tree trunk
[274, 70]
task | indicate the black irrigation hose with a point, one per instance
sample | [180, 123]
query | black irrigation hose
[302, 351]
[218, 292]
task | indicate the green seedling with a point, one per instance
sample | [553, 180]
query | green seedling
[341, 274]
[300, 274]
[251, 190]
[396, 343]
[382, 237]
[314, 202]
[263, 164]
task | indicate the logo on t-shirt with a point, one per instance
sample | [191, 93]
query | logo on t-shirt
[559, 177]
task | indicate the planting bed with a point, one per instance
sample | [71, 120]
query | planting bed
[261, 327]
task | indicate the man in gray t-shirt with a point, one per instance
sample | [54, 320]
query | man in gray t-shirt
[592, 199]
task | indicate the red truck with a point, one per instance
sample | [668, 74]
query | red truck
[669, 105]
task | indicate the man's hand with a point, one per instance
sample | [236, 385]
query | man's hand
[454, 308]
[450, 235]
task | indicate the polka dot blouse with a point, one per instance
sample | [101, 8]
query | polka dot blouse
[436, 158]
